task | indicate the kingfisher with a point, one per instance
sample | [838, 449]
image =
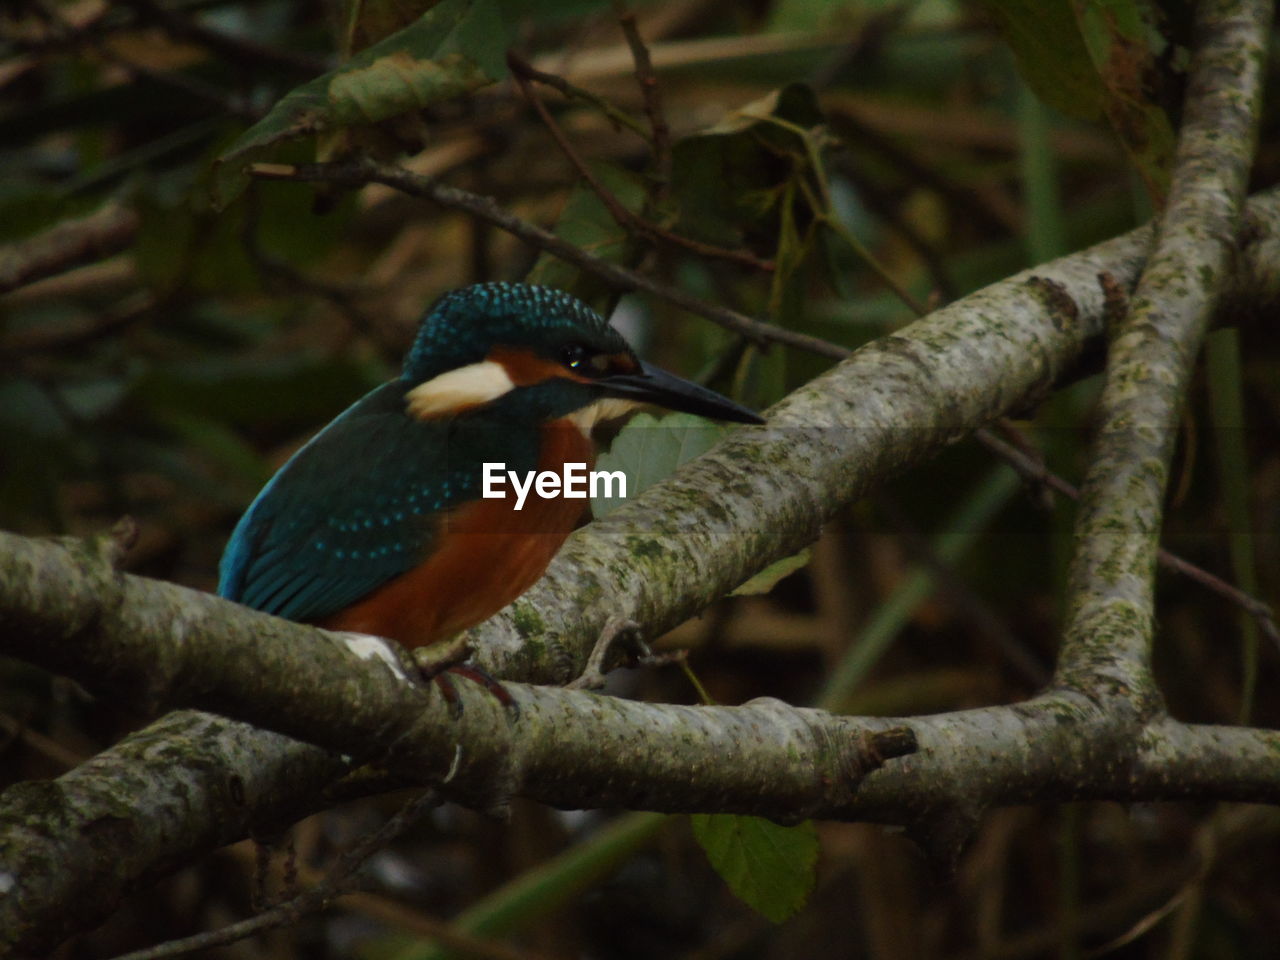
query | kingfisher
[378, 525]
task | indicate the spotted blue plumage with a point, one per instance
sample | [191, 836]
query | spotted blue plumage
[367, 498]
[462, 326]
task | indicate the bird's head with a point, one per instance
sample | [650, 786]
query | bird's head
[541, 354]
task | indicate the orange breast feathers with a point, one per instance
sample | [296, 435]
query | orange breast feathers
[487, 553]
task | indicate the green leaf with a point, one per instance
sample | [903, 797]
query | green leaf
[1095, 58]
[729, 179]
[769, 867]
[452, 49]
[649, 449]
[368, 21]
[1051, 54]
[1128, 49]
[769, 577]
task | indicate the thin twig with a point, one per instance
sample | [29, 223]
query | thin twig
[618, 116]
[620, 213]
[360, 173]
[1032, 469]
[335, 883]
[625, 218]
[648, 81]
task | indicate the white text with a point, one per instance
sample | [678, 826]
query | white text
[576, 483]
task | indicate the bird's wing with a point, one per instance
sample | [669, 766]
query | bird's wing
[356, 507]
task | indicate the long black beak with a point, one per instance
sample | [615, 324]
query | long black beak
[654, 385]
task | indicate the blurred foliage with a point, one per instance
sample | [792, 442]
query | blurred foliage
[164, 366]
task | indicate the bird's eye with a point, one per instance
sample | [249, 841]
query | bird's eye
[576, 357]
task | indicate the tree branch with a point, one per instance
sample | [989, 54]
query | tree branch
[189, 782]
[69, 610]
[891, 404]
[1108, 637]
[989, 353]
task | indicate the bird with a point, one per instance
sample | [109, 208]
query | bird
[379, 524]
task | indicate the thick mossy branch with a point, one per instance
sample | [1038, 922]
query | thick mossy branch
[358, 695]
[191, 781]
[122, 817]
[766, 491]
[559, 746]
[1107, 643]
[894, 403]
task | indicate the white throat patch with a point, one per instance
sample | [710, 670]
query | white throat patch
[456, 390]
[606, 408]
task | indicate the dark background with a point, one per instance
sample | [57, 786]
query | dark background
[167, 369]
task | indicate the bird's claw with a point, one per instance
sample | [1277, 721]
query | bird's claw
[443, 666]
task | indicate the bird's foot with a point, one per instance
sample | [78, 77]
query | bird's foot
[440, 663]
[444, 680]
